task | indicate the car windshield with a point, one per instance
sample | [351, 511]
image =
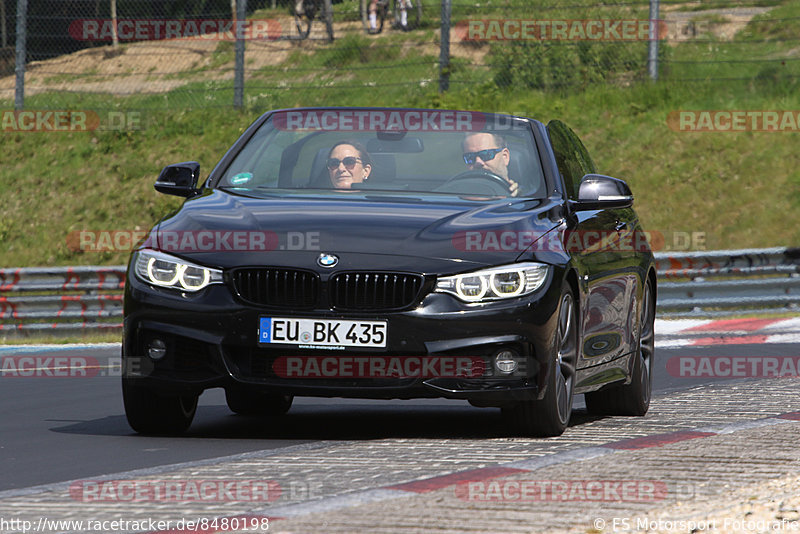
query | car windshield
[485, 156]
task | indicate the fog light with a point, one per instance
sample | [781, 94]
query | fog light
[156, 349]
[505, 361]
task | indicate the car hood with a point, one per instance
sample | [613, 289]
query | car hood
[404, 232]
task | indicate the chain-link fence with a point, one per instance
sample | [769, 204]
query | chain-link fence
[169, 55]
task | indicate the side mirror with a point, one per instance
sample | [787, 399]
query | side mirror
[179, 179]
[599, 192]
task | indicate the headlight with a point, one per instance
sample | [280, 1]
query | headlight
[165, 270]
[496, 283]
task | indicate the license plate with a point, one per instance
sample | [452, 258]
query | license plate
[322, 332]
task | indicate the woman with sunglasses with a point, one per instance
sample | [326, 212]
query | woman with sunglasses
[348, 163]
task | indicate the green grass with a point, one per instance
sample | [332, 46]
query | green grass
[721, 4]
[741, 189]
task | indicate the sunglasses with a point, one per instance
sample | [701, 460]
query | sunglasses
[349, 162]
[485, 155]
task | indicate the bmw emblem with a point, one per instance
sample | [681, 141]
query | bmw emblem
[327, 260]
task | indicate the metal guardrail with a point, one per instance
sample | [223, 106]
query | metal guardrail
[73, 300]
[60, 300]
[725, 282]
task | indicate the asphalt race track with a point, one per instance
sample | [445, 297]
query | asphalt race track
[58, 430]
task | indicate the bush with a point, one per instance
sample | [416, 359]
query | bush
[354, 48]
[552, 66]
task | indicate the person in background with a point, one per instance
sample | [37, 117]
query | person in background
[373, 16]
[402, 5]
[348, 163]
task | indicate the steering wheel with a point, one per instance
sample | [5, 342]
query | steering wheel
[500, 184]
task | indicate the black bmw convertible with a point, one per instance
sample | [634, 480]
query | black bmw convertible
[393, 254]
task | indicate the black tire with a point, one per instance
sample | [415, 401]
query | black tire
[633, 398]
[149, 412]
[248, 402]
[549, 416]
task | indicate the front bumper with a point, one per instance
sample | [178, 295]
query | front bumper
[211, 341]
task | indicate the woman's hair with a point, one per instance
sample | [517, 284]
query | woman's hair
[366, 159]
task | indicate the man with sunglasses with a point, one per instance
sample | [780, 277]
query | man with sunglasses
[488, 152]
[348, 163]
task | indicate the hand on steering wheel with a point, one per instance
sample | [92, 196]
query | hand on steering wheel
[508, 184]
